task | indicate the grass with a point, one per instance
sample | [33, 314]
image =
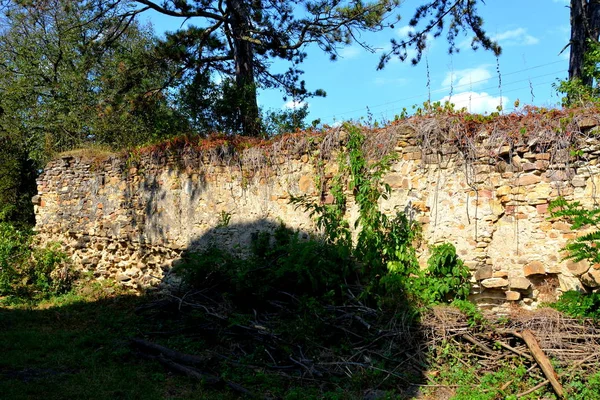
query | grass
[75, 347]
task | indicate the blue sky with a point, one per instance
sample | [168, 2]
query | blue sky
[531, 32]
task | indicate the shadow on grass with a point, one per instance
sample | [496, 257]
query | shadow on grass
[290, 319]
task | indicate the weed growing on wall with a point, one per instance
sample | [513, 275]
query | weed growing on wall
[384, 245]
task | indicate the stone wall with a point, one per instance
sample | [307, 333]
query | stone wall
[131, 217]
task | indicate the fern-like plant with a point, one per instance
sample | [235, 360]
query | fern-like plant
[584, 247]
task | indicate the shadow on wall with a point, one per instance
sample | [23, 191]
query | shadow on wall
[159, 202]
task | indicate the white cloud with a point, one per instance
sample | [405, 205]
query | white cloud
[477, 103]
[349, 52]
[515, 37]
[294, 104]
[467, 78]
[404, 31]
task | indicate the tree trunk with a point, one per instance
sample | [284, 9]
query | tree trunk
[244, 67]
[585, 25]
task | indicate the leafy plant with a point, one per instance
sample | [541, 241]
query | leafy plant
[224, 219]
[384, 246]
[447, 277]
[583, 247]
[577, 92]
[30, 272]
[280, 261]
[579, 305]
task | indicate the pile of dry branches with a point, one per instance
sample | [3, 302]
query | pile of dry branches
[388, 350]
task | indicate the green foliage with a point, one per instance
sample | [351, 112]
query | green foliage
[583, 247]
[473, 313]
[73, 73]
[330, 218]
[17, 183]
[285, 121]
[575, 91]
[583, 387]
[78, 72]
[280, 261]
[579, 305]
[384, 246]
[446, 278]
[28, 272]
[213, 106]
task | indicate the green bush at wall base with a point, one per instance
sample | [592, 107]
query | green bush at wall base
[29, 272]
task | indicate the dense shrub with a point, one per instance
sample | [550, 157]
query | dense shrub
[579, 305]
[279, 262]
[30, 272]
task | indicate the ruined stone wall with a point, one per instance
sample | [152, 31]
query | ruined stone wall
[130, 218]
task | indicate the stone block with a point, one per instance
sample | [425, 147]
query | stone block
[578, 181]
[122, 277]
[484, 272]
[526, 180]
[569, 283]
[587, 123]
[500, 274]
[591, 278]
[394, 180]
[561, 226]
[492, 283]
[503, 191]
[534, 268]
[578, 268]
[519, 283]
[553, 267]
[306, 184]
[513, 296]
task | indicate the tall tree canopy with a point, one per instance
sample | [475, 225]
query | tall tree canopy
[240, 39]
[72, 73]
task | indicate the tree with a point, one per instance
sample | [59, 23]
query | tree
[240, 39]
[72, 73]
[75, 72]
[585, 31]
[430, 21]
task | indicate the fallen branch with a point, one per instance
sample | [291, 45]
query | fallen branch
[168, 353]
[164, 357]
[516, 351]
[543, 362]
[477, 343]
[533, 389]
